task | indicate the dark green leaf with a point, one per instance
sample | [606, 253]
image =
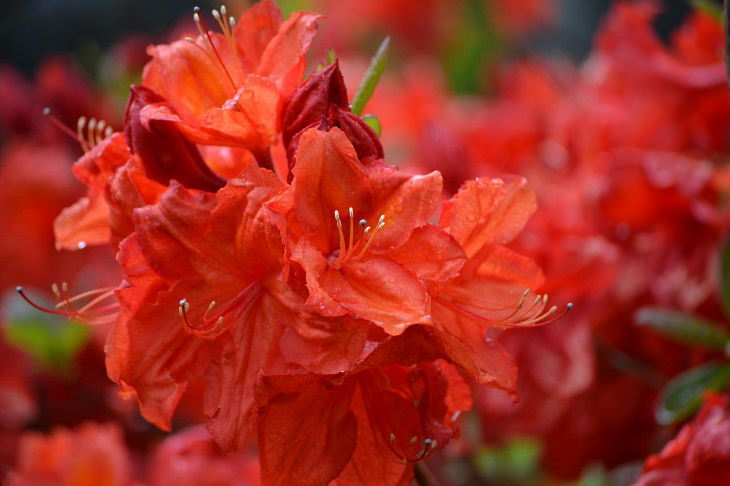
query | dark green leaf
[710, 8]
[371, 78]
[682, 396]
[684, 328]
[374, 123]
[725, 276]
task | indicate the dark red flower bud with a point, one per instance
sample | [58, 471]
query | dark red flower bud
[321, 102]
[165, 152]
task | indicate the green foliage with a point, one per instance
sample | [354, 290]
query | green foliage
[331, 56]
[51, 341]
[724, 273]
[515, 462]
[712, 9]
[474, 47]
[684, 328]
[290, 6]
[374, 123]
[682, 396]
[371, 78]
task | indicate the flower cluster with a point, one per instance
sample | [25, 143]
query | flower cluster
[273, 274]
[333, 306]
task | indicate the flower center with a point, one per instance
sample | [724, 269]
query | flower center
[354, 247]
[213, 325]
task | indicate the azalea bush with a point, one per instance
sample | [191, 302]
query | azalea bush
[366, 243]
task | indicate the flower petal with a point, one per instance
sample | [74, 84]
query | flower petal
[430, 253]
[84, 223]
[308, 452]
[327, 176]
[381, 291]
[250, 349]
[488, 211]
[284, 59]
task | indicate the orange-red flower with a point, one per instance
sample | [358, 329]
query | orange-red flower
[699, 455]
[226, 88]
[92, 455]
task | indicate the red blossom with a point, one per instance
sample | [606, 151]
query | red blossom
[92, 455]
[699, 455]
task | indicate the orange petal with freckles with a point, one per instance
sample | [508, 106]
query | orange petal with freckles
[430, 253]
[84, 223]
[250, 348]
[381, 291]
[487, 211]
[409, 206]
[254, 31]
[191, 81]
[148, 352]
[284, 59]
[372, 462]
[309, 452]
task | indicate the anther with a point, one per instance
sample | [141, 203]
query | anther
[363, 222]
[392, 437]
[414, 439]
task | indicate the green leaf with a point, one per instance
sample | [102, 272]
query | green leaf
[331, 56]
[684, 328]
[724, 272]
[712, 9]
[51, 341]
[682, 396]
[371, 78]
[374, 123]
[594, 475]
[515, 462]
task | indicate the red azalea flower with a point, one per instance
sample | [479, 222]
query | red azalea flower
[374, 421]
[91, 455]
[225, 89]
[699, 455]
[191, 458]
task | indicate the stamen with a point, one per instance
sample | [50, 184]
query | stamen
[203, 29]
[66, 130]
[213, 326]
[99, 131]
[352, 231]
[88, 314]
[343, 248]
[381, 223]
[90, 127]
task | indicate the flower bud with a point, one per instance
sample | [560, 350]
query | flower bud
[321, 102]
[165, 152]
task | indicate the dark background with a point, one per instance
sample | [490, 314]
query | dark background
[31, 30]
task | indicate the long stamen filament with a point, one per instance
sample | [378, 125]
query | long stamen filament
[203, 29]
[87, 314]
[66, 130]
